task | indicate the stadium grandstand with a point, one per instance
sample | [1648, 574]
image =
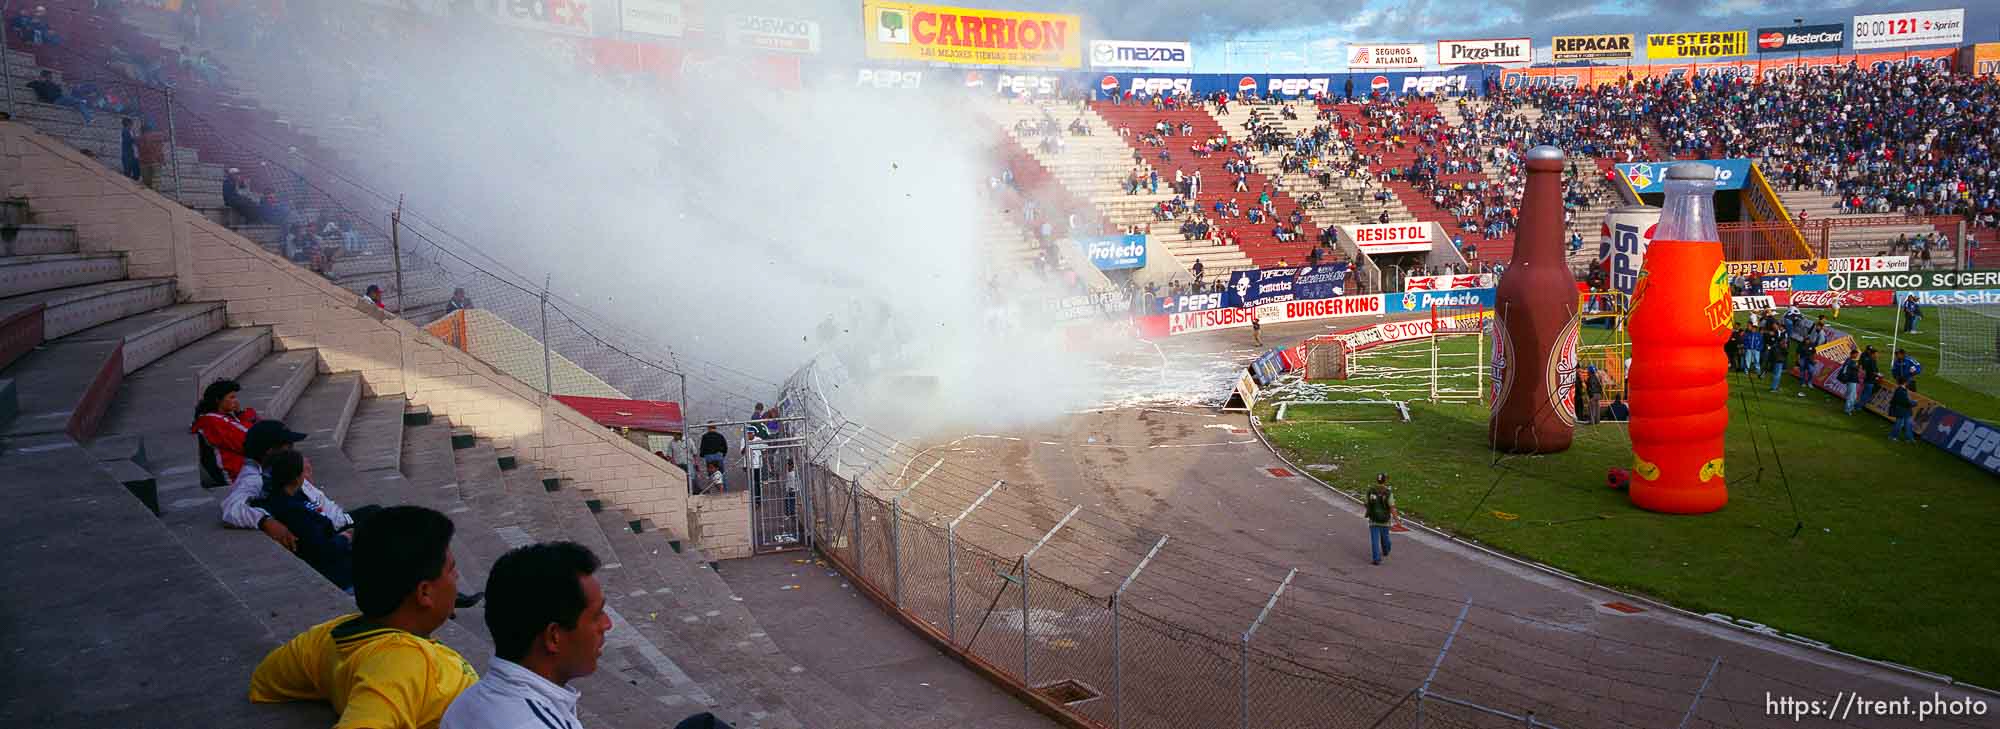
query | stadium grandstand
[899, 364]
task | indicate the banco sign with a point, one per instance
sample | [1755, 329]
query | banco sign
[1141, 54]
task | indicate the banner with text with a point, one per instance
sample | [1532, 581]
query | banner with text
[1115, 252]
[1385, 55]
[569, 17]
[1271, 285]
[1755, 69]
[1390, 237]
[768, 33]
[1449, 282]
[1492, 51]
[1144, 55]
[1965, 437]
[1916, 280]
[1717, 44]
[1419, 302]
[1811, 266]
[1590, 47]
[1469, 80]
[1909, 28]
[1980, 59]
[1959, 297]
[1826, 299]
[1823, 37]
[1651, 177]
[943, 34]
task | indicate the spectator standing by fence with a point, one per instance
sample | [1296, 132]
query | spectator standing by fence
[128, 150]
[1380, 505]
[1901, 405]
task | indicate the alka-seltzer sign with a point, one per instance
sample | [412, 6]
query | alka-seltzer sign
[1909, 28]
[1914, 280]
[1488, 51]
[1116, 252]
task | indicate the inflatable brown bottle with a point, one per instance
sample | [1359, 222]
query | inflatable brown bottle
[1536, 324]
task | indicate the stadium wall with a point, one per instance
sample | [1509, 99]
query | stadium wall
[212, 263]
[1755, 68]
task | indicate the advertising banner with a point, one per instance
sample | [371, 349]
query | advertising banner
[1588, 47]
[943, 34]
[1754, 303]
[1109, 304]
[1272, 285]
[1493, 51]
[1756, 69]
[1115, 252]
[1716, 44]
[768, 33]
[1980, 59]
[1385, 55]
[1651, 177]
[1965, 437]
[1957, 297]
[1909, 28]
[1462, 80]
[1916, 280]
[1375, 335]
[888, 78]
[1390, 237]
[1826, 299]
[1166, 325]
[1188, 303]
[1813, 266]
[569, 17]
[652, 17]
[1420, 302]
[1449, 283]
[1147, 55]
[1823, 37]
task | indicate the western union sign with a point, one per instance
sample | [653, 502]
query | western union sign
[1698, 45]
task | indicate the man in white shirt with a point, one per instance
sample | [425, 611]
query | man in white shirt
[264, 438]
[545, 612]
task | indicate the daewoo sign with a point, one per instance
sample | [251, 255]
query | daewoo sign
[1141, 54]
[1498, 51]
[789, 35]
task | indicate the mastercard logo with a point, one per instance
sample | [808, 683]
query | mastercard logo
[1771, 41]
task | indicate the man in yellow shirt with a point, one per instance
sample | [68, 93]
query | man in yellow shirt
[379, 668]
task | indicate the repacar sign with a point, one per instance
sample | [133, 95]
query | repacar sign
[941, 34]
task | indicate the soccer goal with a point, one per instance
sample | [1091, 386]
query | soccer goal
[1439, 358]
[1969, 345]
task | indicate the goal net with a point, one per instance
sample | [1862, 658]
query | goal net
[1437, 358]
[1968, 342]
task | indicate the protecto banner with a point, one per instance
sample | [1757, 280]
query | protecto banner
[1909, 28]
[1651, 177]
[1713, 44]
[1493, 51]
[1590, 47]
[1143, 55]
[1167, 325]
[944, 34]
[1115, 252]
[1385, 55]
[1824, 37]
[1416, 302]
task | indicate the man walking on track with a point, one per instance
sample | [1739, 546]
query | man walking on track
[1381, 506]
[1256, 328]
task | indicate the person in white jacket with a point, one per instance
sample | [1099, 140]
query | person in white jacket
[548, 621]
[265, 438]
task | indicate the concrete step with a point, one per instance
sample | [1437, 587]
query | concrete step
[93, 554]
[70, 310]
[275, 383]
[66, 385]
[29, 274]
[30, 239]
[375, 434]
[326, 408]
[149, 415]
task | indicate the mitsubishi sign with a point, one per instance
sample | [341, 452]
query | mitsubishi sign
[1145, 55]
[1801, 38]
[1499, 51]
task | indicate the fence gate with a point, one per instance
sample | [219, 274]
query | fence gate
[775, 470]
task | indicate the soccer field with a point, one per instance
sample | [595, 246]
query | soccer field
[1832, 531]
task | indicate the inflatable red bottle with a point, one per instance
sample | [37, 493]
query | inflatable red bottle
[1678, 384]
[1536, 324]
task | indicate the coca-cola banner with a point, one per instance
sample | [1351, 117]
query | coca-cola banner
[1488, 51]
[1826, 299]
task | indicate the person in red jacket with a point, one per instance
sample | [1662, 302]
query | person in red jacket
[220, 422]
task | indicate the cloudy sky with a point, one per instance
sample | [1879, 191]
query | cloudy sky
[1299, 35]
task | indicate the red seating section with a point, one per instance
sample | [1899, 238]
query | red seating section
[1256, 241]
[1418, 203]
